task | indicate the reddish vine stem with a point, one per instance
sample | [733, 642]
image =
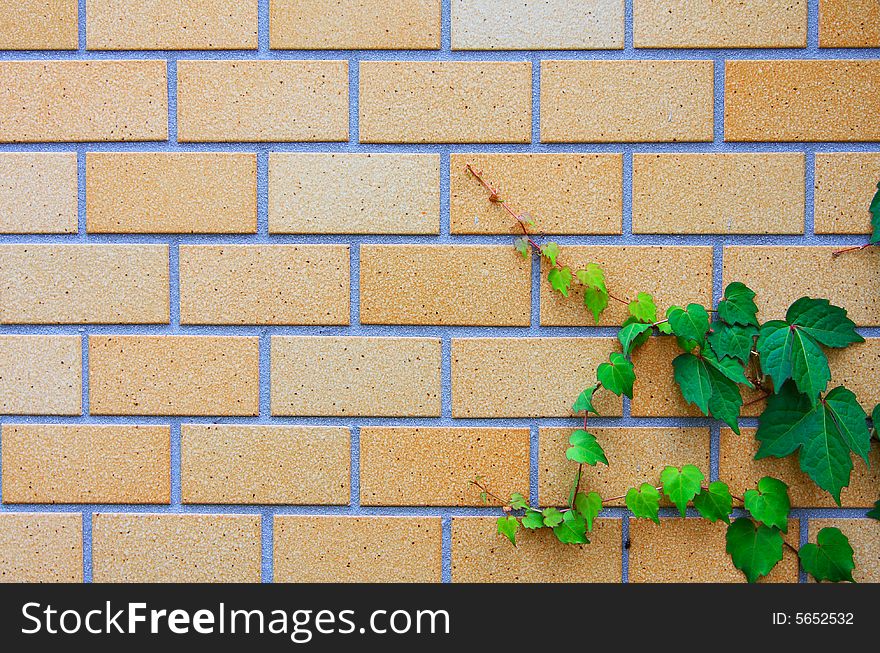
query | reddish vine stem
[491, 494]
[845, 250]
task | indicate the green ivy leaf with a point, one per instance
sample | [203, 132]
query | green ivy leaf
[875, 420]
[754, 548]
[875, 217]
[824, 322]
[644, 502]
[769, 504]
[643, 308]
[551, 252]
[850, 420]
[664, 328]
[787, 353]
[732, 341]
[560, 279]
[585, 448]
[572, 530]
[618, 375]
[592, 276]
[629, 335]
[691, 323]
[706, 387]
[714, 503]
[584, 402]
[595, 292]
[552, 517]
[533, 519]
[681, 485]
[729, 367]
[508, 526]
[518, 501]
[738, 305]
[589, 506]
[830, 559]
[874, 513]
[522, 246]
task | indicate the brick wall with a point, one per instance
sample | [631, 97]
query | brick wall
[258, 324]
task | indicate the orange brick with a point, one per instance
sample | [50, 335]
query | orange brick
[40, 375]
[845, 184]
[38, 193]
[39, 25]
[41, 547]
[849, 24]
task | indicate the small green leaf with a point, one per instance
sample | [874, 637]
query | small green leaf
[533, 519]
[589, 506]
[629, 335]
[681, 485]
[714, 503]
[664, 328]
[691, 323]
[754, 548]
[560, 279]
[644, 502]
[518, 501]
[551, 252]
[552, 517]
[692, 377]
[769, 504]
[729, 367]
[584, 402]
[643, 308]
[618, 375]
[585, 448]
[508, 526]
[572, 530]
[874, 209]
[484, 497]
[824, 322]
[738, 305]
[595, 292]
[732, 341]
[523, 247]
[592, 276]
[830, 559]
[874, 513]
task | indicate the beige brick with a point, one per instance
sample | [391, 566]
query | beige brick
[357, 549]
[265, 464]
[171, 25]
[673, 275]
[354, 25]
[863, 537]
[563, 193]
[780, 275]
[40, 375]
[537, 25]
[701, 24]
[83, 101]
[262, 101]
[694, 551]
[526, 377]
[173, 375]
[38, 25]
[481, 555]
[264, 284]
[802, 100]
[395, 470]
[314, 193]
[89, 284]
[38, 193]
[845, 184]
[626, 101]
[57, 463]
[162, 192]
[41, 547]
[444, 284]
[355, 376]
[445, 101]
[849, 24]
[718, 193]
[635, 456]
[168, 548]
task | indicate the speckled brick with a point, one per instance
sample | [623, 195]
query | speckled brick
[803, 100]
[357, 549]
[38, 193]
[849, 24]
[537, 25]
[39, 25]
[168, 548]
[354, 25]
[171, 25]
[59, 463]
[355, 376]
[241, 464]
[264, 284]
[526, 377]
[673, 275]
[481, 555]
[626, 101]
[84, 284]
[40, 375]
[171, 192]
[845, 183]
[396, 472]
[368, 193]
[41, 547]
[563, 193]
[89, 100]
[718, 193]
[445, 101]
[864, 537]
[261, 101]
[173, 375]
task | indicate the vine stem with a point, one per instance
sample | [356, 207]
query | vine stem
[489, 493]
[845, 250]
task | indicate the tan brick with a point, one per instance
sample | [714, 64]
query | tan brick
[40, 375]
[57, 463]
[264, 284]
[537, 25]
[83, 101]
[370, 193]
[357, 549]
[354, 25]
[88, 284]
[673, 275]
[849, 24]
[39, 25]
[526, 377]
[564, 193]
[635, 456]
[355, 376]
[262, 101]
[444, 284]
[41, 547]
[694, 551]
[718, 193]
[628, 101]
[395, 470]
[163, 192]
[38, 193]
[173, 375]
[481, 555]
[445, 101]
[167, 548]
[781, 275]
[171, 25]
[265, 464]
[701, 24]
[863, 537]
[802, 100]
[845, 184]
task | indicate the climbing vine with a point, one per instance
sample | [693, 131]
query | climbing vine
[723, 349]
